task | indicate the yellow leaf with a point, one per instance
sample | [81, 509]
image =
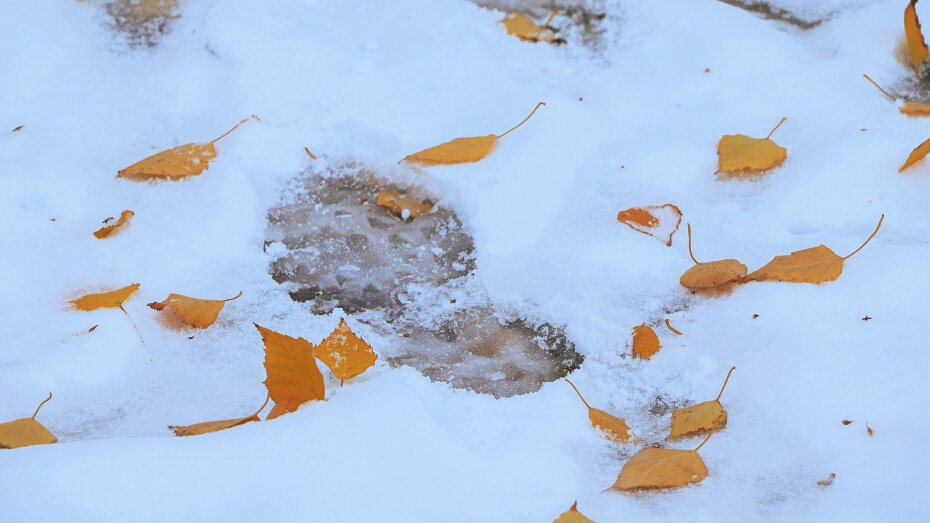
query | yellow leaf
[572, 516]
[613, 427]
[915, 109]
[153, 8]
[184, 160]
[461, 150]
[526, 29]
[26, 431]
[661, 221]
[119, 226]
[711, 274]
[193, 311]
[645, 341]
[815, 265]
[344, 353]
[402, 202]
[916, 155]
[293, 377]
[652, 468]
[915, 38]
[741, 154]
[700, 418]
[213, 426]
[105, 299]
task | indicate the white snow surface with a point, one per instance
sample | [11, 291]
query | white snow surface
[371, 82]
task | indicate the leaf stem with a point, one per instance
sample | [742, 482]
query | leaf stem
[234, 297]
[886, 93]
[725, 383]
[705, 439]
[877, 227]
[133, 323]
[689, 245]
[576, 391]
[673, 329]
[267, 398]
[546, 25]
[224, 135]
[783, 118]
[312, 156]
[40, 405]
[524, 120]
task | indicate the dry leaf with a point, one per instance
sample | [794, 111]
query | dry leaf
[572, 516]
[105, 299]
[815, 265]
[403, 204]
[344, 353]
[17, 129]
[645, 341]
[740, 154]
[116, 228]
[869, 429]
[153, 8]
[700, 418]
[184, 160]
[847, 421]
[652, 468]
[915, 38]
[213, 426]
[613, 427]
[711, 274]
[661, 221]
[293, 377]
[527, 30]
[828, 481]
[193, 311]
[26, 431]
[461, 150]
[918, 154]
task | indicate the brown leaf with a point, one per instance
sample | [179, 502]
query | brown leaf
[700, 418]
[869, 429]
[344, 353]
[105, 299]
[739, 154]
[653, 468]
[213, 426]
[184, 160]
[293, 377]
[527, 30]
[193, 311]
[915, 38]
[25, 431]
[613, 427]
[116, 228]
[828, 481]
[17, 129]
[815, 265]
[645, 341]
[403, 203]
[918, 154]
[711, 274]
[847, 421]
[661, 221]
[572, 516]
[461, 150]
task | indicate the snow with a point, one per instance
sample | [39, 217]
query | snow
[366, 83]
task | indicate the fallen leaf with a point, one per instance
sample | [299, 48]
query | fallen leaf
[461, 150]
[815, 265]
[866, 318]
[869, 429]
[645, 341]
[115, 298]
[846, 421]
[572, 516]
[344, 353]
[184, 160]
[740, 154]
[193, 311]
[26, 431]
[526, 29]
[613, 427]
[828, 481]
[918, 154]
[711, 274]
[293, 377]
[653, 468]
[661, 221]
[116, 228]
[915, 38]
[403, 204]
[673, 329]
[700, 418]
[911, 109]
[153, 8]
[213, 426]
[17, 129]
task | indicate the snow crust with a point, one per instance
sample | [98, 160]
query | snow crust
[371, 82]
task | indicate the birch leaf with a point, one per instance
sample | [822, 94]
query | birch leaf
[711, 274]
[116, 228]
[461, 150]
[344, 353]
[700, 418]
[739, 154]
[526, 29]
[214, 426]
[661, 221]
[115, 298]
[293, 377]
[915, 38]
[572, 516]
[614, 428]
[653, 468]
[193, 311]
[918, 154]
[403, 204]
[26, 431]
[645, 341]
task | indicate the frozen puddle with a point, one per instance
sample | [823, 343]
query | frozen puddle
[412, 280]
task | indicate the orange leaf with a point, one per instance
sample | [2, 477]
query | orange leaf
[293, 377]
[193, 311]
[645, 341]
[711, 274]
[613, 427]
[918, 154]
[184, 160]
[344, 353]
[915, 109]
[527, 30]
[740, 154]
[653, 468]
[403, 203]
[572, 516]
[105, 299]
[461, 150]
[214, 426]
[915, 38]
[700, 418]
[26, 431]
[116, 228]
[661, 221]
